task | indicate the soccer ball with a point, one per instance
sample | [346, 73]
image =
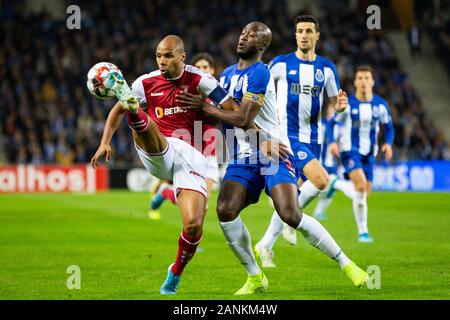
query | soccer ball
[96, 77]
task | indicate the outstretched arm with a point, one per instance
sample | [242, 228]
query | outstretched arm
[112, 123]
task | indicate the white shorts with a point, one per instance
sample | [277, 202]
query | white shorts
[180, 163]
[212, 168]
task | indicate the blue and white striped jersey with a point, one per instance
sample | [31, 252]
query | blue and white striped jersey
[359, 125]
[254, 83]
[300, 86]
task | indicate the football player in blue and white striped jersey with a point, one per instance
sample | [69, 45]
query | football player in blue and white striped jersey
[301, 79]
[358, 143]
[329, 162]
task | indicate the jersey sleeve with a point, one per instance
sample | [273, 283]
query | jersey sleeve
[277, 69]
[332, 80]
[210, 88]
[386, 120]
[257, 85]
[385, 112]
[137, 89]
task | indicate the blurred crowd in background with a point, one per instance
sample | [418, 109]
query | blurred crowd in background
[47, 114]
[438, 28]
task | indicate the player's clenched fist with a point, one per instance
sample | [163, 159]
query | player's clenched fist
[342, 101]
[102, 149]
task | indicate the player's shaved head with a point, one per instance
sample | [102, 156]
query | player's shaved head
[172, 43]
[170, 56]
[254, 40]
[263, 31]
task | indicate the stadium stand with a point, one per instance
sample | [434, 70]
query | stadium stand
[48, 116]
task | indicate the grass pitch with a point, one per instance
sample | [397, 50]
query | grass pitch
[124, 255]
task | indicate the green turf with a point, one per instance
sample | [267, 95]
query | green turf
[124, 255]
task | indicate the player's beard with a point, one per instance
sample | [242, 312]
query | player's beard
[249, 53]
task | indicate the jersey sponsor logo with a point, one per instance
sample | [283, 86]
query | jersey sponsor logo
[319, 75]
[298, 88]
[292, 72]
[365, 124]
[156, 94]
[356, 123]
[302, 155]
[354, 111]
[160, 112]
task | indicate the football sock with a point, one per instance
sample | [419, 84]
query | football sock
[360, 211]
[307, 193]
[345, 187]
[319, 237]
[322, 205]
[187, 246]
[169, 194]
[137, 121]
[272, 232]
[238, 238]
